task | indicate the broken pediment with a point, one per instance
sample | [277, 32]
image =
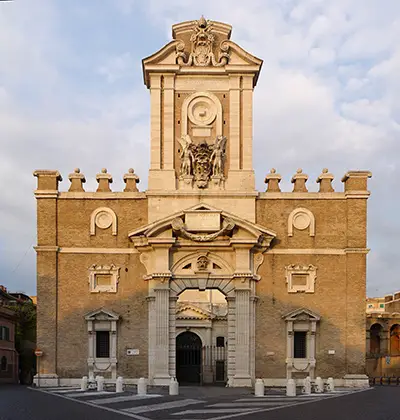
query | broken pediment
[201, 46]
[203, 223]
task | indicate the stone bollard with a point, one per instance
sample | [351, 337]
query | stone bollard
[330, 385]
[100, 383]
[173, 387]
[84, 383]
[119, 384]
[319, 385]
[142, 386]
[259, 388]
[291, 388]
[307, 386]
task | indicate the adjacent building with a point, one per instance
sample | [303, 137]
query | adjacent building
[8, 352]
[113, 267]
[383, 336]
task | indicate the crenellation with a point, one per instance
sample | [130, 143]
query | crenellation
[325, 181]
[77, 180]
[47, 179]
[272, 180]
[299, 181]
[104, 179]
[131, 180]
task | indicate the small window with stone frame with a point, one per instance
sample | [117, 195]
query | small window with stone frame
[220, 341]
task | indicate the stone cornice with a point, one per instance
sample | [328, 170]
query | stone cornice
[46, 193]
[101, 195]
[302, 196]
[46, 248]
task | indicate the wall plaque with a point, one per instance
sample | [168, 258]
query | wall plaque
[203, 221]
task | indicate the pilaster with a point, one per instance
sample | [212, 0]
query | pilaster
[161, 375]
[242, 365]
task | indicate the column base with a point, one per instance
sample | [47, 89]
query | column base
[241, 381]
[161, 380]
[46, 379]
[356, 381]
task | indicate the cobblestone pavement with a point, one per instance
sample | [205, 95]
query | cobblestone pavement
[203, 403]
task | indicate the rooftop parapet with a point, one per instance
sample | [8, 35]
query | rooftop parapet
[325, 181]
[77, 180]
[131, 180]
[299, 180]
[356, 181]
[47, 180]
[272, 180]
[104, 179]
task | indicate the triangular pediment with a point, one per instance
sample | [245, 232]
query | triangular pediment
[300, 314]
[188, 311]
[102, 314]
[204, 215]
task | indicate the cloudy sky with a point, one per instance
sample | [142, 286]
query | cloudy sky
[72, 95]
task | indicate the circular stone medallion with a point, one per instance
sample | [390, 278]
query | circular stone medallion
[301, 221]
[202, 111]
[103, 220]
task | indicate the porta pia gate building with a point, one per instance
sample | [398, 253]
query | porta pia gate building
[112, 265]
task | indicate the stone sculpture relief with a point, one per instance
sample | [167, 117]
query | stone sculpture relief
[202, 46]
[202, 263]
[179, 226]
[202, 161]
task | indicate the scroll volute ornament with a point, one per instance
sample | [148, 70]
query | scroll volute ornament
[202, 45]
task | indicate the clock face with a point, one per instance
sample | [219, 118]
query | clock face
[202, 111]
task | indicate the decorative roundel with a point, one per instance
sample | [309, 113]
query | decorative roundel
[301, 221]
[202, 111]
[103, 220]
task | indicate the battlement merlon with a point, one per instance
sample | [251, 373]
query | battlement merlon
[47, 185]
[356, 182]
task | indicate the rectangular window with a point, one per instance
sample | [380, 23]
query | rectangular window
[220, 341]
[4, 333]
[102, 344]
[300, 344]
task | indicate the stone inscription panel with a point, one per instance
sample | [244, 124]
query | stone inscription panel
[203, 221]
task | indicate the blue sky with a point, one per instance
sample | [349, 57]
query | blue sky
[72, 94]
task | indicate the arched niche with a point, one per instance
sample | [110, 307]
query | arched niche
[103, 218]
[301, 219]
[202, 109]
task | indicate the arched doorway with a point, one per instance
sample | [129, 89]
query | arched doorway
[188, 358]
[375, 339]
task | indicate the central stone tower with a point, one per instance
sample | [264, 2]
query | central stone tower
[201, 87]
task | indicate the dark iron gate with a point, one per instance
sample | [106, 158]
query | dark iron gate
[214, 364]
[188, 358]
[197, 364]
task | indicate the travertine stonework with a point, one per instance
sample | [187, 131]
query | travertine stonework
[112, 265]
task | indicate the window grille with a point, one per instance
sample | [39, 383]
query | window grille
[102, 344]
[300, 344]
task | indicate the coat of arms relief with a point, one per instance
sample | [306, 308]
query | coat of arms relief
[202, 162]
[202, 47]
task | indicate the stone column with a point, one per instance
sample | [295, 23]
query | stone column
[242, 365]
[231, 301]
[161, 376]
[151, 308]
[172, 335]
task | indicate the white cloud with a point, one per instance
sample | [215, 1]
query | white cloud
[327, 96]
